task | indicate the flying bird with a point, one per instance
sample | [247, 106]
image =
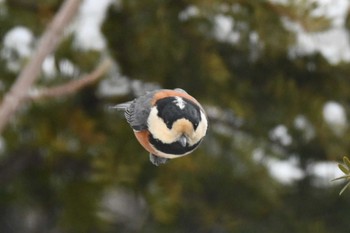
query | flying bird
[167, 123]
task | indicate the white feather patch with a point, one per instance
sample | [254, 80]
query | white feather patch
[201, 129]
[179, 102]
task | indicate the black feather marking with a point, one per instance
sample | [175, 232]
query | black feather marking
[170, 112]
[174, 148]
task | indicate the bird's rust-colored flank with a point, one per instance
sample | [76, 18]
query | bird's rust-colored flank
[170, 93]
[142, 137]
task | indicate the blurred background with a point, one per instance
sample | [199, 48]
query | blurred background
[272, 75]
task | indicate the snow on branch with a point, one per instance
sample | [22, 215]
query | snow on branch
[18, 93]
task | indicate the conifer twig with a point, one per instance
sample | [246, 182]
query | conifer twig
[72, 86]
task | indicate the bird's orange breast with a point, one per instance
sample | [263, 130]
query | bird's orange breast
[143, 138]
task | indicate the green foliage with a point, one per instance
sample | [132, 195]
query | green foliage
[32, 14]
[345, 168]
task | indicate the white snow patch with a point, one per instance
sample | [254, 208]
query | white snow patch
[88, 25]
[284, 171]
[336, 10]
[334, 115]
[324, 172]
[287, 171]
[19, 39]
[190, 12]
[67, 68]
[224, 29]
[17, 44]
[280, 134]
[49, 68]
[333, 43]
[114, 86]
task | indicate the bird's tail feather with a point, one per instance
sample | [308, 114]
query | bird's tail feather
[122, 106]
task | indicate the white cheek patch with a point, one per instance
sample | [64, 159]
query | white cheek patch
[201, 130]
[158, 128]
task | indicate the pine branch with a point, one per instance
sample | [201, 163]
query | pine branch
[72, 86]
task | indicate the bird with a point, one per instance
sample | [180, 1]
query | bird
[167, 123]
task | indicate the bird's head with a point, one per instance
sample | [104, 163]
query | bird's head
[176, 125]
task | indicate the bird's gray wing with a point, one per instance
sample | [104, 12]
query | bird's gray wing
[137, 112]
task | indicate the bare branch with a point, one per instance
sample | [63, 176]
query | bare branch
[72, 86]
[48, 43]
